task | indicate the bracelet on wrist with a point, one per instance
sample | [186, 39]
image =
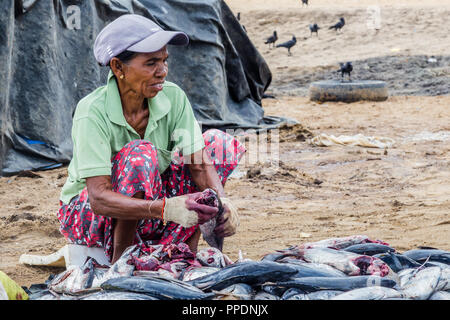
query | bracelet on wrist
[162, 209]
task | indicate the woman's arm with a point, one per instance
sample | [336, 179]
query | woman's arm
[204, 173]
[112, 204]
[183, 209]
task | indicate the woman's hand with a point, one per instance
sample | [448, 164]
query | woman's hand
[185, 210]
[228, 222]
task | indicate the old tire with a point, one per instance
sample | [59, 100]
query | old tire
[356, 90]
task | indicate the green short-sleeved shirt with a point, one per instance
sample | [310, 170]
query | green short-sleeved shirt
[100, 130]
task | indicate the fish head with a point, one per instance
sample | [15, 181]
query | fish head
[211, 257]
[145, 263]
[209, 198]
[371, 266]
[363, 263]
[379, 268]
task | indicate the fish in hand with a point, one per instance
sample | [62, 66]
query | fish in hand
[211, 198]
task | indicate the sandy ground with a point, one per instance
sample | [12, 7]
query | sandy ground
[306, 193]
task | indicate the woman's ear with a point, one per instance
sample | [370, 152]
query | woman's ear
[116, 67]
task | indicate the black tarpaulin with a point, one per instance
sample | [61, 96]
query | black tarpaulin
[48, 66]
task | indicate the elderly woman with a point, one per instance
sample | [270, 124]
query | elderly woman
[140, 160]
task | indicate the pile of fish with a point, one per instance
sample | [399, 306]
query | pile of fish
[347, 268]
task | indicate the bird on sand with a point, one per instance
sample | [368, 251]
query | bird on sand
[304, 2]
[314, 28]
[288, 44]
[339, 25]
[346, 68]
[272, 39]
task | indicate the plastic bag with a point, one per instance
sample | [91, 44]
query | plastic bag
[9, 290]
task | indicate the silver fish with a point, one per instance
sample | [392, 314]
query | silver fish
[422, 284]
[262, 295]
[440, 295]
[120, 268]
[292, 292]
[209, 236]
[213, 257]
[369, 249]
[369, 293]
[337, 243]
[158, 287]
[405, 275]
[300, 296]
[50, 295]
[348, 262]
[311, 269]
[194, 273]
[323, 294]
[238, 291]
[71, 280]
[311, 284]
[211, 198]
[422, 255]
[396, 261]
[273, 289]
[117, 295]
[340, 260]
[75, 280]
[151, 273]
[252, 273]
[78, 280]
[444, 281]
[437, 264]
[318, 295]
[280, 255]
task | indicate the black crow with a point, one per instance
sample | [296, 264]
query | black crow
[288, 44]
[346, 68]
[314, 28]
[272, 39]
[304, 2]
[338, 25]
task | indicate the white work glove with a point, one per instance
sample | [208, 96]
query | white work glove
[185, 211]
[229, 221]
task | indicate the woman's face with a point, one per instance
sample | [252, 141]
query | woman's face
[145, 73]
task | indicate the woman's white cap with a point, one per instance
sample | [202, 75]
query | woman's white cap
[135, 33]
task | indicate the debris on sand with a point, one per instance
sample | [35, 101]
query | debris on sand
[294, 132]
[281, 172]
